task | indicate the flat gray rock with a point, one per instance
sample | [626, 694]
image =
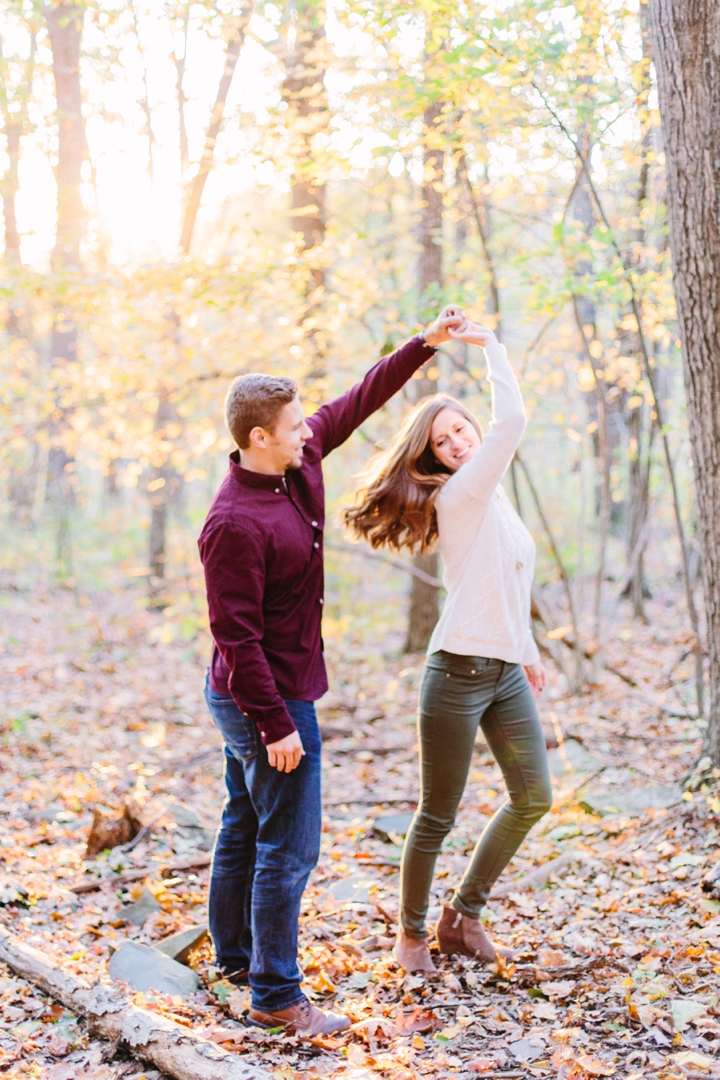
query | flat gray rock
[576, 756]
[631, 800]
[350, 890]
[179, 946]
[184, 815]
[146, 969]
[138, 912]
[390, 826]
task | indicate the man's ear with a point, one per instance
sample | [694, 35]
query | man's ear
[258, 438]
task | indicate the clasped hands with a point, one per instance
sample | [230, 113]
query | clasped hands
[452, 324]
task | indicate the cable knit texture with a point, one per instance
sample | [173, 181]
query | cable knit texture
[488, 554]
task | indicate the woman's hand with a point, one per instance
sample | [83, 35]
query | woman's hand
[473, 334]
[452, 315]
[537, 677]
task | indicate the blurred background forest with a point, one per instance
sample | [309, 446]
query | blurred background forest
[195, 190]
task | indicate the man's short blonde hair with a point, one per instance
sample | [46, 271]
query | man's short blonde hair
[256, 401]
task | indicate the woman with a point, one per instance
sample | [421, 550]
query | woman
[440, 479]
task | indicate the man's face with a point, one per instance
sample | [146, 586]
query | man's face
[286, 443]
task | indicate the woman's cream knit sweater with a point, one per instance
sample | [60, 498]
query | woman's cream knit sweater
[488, 554]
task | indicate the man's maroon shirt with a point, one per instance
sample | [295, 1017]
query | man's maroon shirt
[262, 550]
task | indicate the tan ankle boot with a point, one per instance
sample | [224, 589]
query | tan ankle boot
[301, 1019]
[460, 935]
[413, 954]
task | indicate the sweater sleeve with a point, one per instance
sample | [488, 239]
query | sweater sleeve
[333, 423]
[473, 484]
[234, 567]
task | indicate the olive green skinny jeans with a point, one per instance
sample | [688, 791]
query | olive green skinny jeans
[458, 694]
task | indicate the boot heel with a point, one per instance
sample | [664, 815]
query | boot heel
[449, 932]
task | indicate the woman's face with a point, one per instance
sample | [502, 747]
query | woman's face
[453, 439]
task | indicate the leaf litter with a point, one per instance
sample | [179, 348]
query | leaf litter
[618, 944]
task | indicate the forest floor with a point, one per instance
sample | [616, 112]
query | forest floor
[618, 963]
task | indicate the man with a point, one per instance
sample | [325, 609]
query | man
[261, 548]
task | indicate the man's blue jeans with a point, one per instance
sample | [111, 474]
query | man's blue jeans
[266, 848]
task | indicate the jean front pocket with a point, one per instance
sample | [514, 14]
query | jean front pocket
[238, 731]
[454, 665]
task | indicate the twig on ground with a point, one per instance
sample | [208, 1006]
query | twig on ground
[90, 884]
[540, 876]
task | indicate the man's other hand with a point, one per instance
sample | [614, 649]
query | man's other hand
[284, 755]
[452, 315]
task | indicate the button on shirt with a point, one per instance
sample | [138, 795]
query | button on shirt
[261, 549]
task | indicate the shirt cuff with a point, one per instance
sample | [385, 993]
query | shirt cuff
[421, 339]
[274, 725]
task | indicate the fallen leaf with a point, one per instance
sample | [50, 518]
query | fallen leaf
[685, 1010]
[417, 1020]
[483, 1064]
[559, 989]
[595, 1066]
[693, 1060]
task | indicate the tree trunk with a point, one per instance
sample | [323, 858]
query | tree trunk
[307, 117]
[686, 50]
[424, 598]
[10, 186]
[164, 483]
[641, 450]
[65, 25]
[148, 1036]
[232, 54]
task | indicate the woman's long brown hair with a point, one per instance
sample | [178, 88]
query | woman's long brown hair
[395, 504]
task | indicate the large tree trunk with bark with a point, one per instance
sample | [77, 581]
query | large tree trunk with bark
[686, 51]
[424, 609]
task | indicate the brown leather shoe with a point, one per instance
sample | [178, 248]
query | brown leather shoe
[413, 954]
[301, 1019]
[460, 935]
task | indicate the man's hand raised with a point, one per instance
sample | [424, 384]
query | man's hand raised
[453, 317]
[284, 755]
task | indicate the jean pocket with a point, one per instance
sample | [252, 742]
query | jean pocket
[454, 665]
[238, 731]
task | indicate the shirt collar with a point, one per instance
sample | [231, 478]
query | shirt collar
[265, 481]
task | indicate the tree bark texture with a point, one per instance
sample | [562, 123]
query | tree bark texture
[424, 607]
[149, 1036]
[64, 22]
[686, 50]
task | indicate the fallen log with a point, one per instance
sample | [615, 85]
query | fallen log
[149, 1036]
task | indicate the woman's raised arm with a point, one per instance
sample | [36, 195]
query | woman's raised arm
[480, 476]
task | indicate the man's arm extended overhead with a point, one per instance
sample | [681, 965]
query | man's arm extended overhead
[333, 423]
